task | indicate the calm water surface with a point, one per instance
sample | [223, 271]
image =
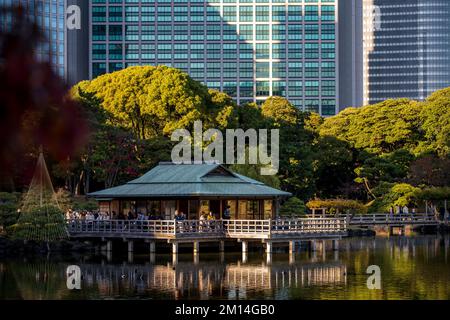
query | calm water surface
[411, 268]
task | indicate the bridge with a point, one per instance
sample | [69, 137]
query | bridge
[267, 232]
[195, 231]
[419, 219]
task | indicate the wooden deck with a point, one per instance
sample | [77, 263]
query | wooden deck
[188, 230]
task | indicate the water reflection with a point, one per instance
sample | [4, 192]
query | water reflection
[412, 268]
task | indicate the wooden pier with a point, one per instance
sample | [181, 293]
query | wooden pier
[195, 231]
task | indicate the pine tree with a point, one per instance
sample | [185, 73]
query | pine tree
[41, 218]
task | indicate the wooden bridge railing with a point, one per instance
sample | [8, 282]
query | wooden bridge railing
[371, 219]
[309, 225]
[206, 228]
[77, 226]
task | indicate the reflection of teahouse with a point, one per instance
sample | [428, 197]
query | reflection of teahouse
[192, 189]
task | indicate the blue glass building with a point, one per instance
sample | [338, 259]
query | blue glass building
[406, 48]
[50, 16]
[251, 49]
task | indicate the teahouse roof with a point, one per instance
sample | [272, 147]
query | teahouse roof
[191, 180]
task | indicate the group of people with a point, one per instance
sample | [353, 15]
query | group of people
[86, 215]
[97, 215]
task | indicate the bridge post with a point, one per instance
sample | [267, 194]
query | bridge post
[269, 247]
[269, 258]
[152, 247]
[313, 245]
[291, 246]
[244, 246]
[221, 246]
[130, 245]
[196, 247]
[109, 245]
[196, 258]
[175, 248]
[244, 257]
[335, 244]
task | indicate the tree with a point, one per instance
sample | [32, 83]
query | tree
[293, 207]
[386, 168]
[380, 128]
[253, 171]
[280, 111]
[431, 171]
[154, 101]
[333, 165]
[435, 115]
[393, 194]
[337, 205]
[9, 203]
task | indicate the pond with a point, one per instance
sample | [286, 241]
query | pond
[410, 268]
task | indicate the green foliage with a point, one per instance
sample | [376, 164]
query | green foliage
[154, 101]
[381, 128]
[392, 195]
[83, 204]
[253, 171]
[9, 203]
[293, 207]
[341, 205]
[280, 111]
[41, 224]
[435, 117]
[432, 194]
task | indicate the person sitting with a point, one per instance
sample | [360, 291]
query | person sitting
[211, 216]
[202, 221]
[227, 213]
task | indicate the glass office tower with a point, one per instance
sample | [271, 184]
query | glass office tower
[49, 15]
[251, 49]
[406, 48]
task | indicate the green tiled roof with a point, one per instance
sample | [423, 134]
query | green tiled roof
[190, 180]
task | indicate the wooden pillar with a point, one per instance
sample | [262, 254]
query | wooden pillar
[221, 246]
[291, 258]
[196, 247]
[269, 258]
[335, 244]
[109, 245]
[244, 246]
[244, 257]
[268, 247]
[130, 245]
[152, 246]
[175, 247]
[175, 258]
[291, 246]
[196, 258]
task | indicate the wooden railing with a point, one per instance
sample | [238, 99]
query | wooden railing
[76, 226]
[247, 227]
[373, 219]
[206, 228]
[309, 225]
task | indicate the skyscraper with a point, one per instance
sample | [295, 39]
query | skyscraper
[251, 49]
[65, 49]
[308, 51]
[49, 16]
[406, 48]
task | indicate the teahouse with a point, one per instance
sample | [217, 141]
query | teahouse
[192, 189]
